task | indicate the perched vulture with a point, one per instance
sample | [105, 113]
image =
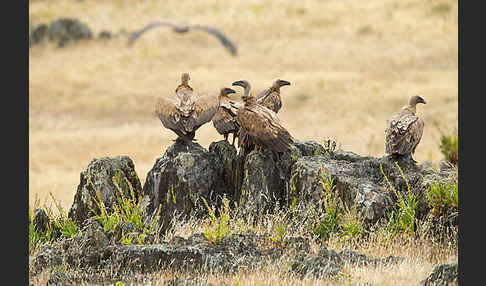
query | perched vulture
[270, 97]
[404, 130]
[260, 124]
[185, 113]
[225, 118]
[183, 29]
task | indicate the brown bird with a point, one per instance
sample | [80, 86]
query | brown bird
[185, 113]
[260, 124]
[405, 130]
[183, 29]
[270, 97]
[225, 118]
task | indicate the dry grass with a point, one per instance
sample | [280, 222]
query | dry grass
[352, 65]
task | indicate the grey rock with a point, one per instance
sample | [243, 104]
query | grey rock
[353, 257]
[265, 180]
[179, 180]
[99, 175]
[317, 266]
[64, 30]
[442, 275]
[40, 220]
[38, 34]
[359, 181]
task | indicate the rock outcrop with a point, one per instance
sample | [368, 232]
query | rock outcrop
[100, 176]
[184, 176]
[62, 31]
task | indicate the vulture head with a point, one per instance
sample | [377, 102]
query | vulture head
[279, 83]
[185, 78]
[244, 84]
[225, 91]
[416, 99]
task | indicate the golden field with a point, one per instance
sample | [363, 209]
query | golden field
[352, 65]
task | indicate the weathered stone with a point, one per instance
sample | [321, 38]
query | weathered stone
[442, 275]
[100, 175]
[265, 180]
[40, 220]
[317, 266]
[39, 34]
[353, 257]
[179, 180]
[359, 181]
[64, 30]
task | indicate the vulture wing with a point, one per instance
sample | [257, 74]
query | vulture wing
[221, 37]
[135, 35]
[170, 116]
[264, 128]
[403, 133]
[204, 109]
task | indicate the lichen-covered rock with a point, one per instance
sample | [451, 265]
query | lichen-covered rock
[265, 180]
[359, 181]
[40, 220]
[353, 257]
[316, 266]
[99, 176]
[442, 275]
[179, 180]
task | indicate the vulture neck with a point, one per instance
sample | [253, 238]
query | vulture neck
[411, 107]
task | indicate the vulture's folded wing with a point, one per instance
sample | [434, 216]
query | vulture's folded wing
[403, 133]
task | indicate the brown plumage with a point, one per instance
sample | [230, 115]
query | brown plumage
[225, 118]
[404, 130]
[187, 111]
[270, 97]
[183, 29]
[260, 124]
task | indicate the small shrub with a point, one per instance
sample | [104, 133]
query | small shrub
[328, 223]
[449, 145]
[219, 227]
[280, 232]
[441, 8]
[402, 218]
[442, 197]
[126, 210]
[352, 225]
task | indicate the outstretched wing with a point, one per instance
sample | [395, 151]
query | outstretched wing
[403, 133]
[221, 37]
[135, 35]
[169, 115]
[204, 109]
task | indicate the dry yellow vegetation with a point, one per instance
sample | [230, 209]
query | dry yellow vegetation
[352, 65]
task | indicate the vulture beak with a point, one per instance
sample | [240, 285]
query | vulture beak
[229, 90]
[283, 82]
[422, 101]
[239, 82]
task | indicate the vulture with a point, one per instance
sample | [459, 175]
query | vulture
[187, 111]
[260, 124]
[225, 118]
[183, 29]
[404, 130]
[270, 97]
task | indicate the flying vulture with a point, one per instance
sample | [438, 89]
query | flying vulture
[270, 97]
[260, 124]
[225, 118]
[183, 29]
[404, 130]
[187, 111]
